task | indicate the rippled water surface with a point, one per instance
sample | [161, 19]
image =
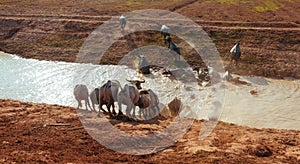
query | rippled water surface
[272, 104]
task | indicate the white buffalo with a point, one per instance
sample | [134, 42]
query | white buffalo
[81, 93]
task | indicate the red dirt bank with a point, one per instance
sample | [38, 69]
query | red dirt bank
[27, 136]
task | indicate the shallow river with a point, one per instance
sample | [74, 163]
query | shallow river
[274, 104]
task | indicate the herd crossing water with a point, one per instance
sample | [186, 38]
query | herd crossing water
[263, 103]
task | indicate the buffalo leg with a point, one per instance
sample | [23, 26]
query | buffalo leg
[128, 108]
[101, 108]
[79, 103]
[113, 106]
[93, 107]
[154, 111]
[87, 103]
[157, 109]
[146, 113]
[133, 114]
[113, 109]
[140, 112]
[120, 112]
[109, 112]
[120, 109]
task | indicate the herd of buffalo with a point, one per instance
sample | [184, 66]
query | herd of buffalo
[131, 95]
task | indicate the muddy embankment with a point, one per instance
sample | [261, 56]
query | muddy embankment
[44, 39]
[268, 49]
[45, 133]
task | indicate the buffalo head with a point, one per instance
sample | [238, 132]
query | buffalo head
[137, 83]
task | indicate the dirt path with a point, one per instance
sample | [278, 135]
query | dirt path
[226, 25]
[184, 4]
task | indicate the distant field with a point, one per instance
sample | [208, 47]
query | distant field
[243, 10]
[269, 30]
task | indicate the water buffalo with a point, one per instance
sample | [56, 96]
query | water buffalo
[108, 94]
[146, 100]
[148, 103]
[94, 96]
[81, 93]
[129, 96]
[136, 83]
[235, 53]
[122, 21]
[173, 47]
[165, 31]
[144, 66]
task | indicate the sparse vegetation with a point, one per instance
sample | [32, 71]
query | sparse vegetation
[228, 1]
[268, 5]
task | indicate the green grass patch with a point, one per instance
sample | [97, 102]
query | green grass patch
[268, 5]
[230, 2]
[133, 2]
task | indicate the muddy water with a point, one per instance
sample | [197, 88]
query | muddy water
[45, 82]
[264, 103]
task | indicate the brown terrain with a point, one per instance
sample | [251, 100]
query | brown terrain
[42, 133]
[269, 32]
